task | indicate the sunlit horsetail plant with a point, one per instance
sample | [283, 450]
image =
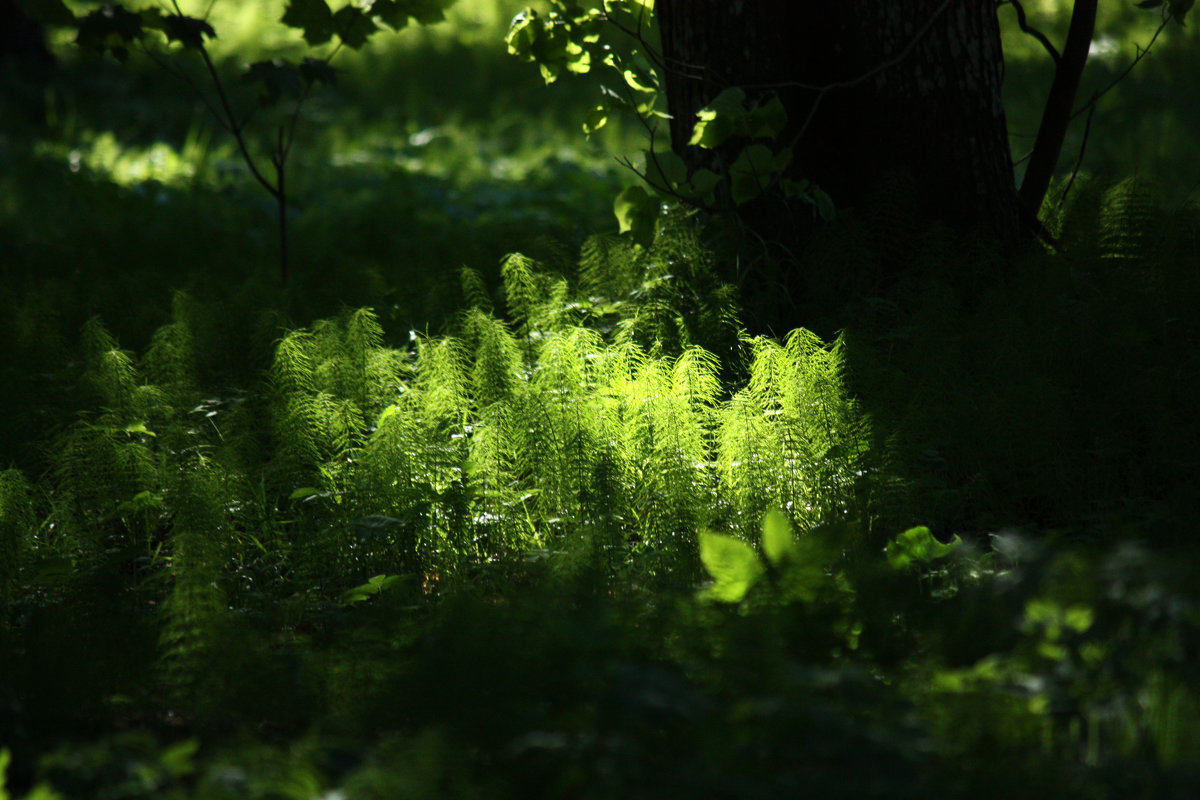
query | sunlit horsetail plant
[501, 443]
[571, 428]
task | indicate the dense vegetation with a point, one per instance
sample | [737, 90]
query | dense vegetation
[490, 501]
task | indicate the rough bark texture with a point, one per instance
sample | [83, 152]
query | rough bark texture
[935, 113]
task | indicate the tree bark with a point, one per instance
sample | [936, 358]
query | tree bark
[872, 89]
[1059, 106]
[25, 64]
[22, 41]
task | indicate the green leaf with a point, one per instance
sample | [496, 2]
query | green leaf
[367, 590]
[639, 80]
[426, 12]
[49, 12]
[188, 31]
[579, 60]
[733, 565]
[730, 101]
[767, 121]
[316, 70]
[712, 129]
[750, 173]
[180, 759]
[918, 545]
[353, 26]
[778, 542]
[825, 206]
[138, 427]
[311, 16]
[110, 29]
[704, 181]
[276, 78]
[665, 169]
[636, 211]
[595, 120]
[142, 501]
[390, 13]
[523, 34]
[304, 493]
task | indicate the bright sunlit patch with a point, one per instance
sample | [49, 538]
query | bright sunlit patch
[103, 154]
[1103, 46]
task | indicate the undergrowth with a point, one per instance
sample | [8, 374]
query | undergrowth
[547, 545]
[557, 525]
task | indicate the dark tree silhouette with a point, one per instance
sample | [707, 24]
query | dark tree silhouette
[22, 41]
[872, 89]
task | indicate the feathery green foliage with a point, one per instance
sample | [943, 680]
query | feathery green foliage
[16, 527]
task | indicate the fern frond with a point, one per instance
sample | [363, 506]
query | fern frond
[195, 609]
[1131, 225]
[108, 370]
[170, 361]
[497, 358]
[475, 290]
[16, 527]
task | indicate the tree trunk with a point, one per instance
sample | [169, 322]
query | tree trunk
[872, 89]
[22, 41]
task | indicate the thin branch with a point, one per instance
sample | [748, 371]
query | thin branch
[291, 137]
[180, 75]
[638, 37]
[1087, 130]
[1142, 52]
[1032, 31]
[235, 129]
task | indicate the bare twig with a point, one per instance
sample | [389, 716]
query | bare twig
[1087, 130]
[191, 84]
[1032, 31]
[1141, 53]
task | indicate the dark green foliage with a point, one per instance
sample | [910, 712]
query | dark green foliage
[16, 528]
[584, 536]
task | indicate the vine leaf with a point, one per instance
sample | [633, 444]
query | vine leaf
[425, 12]
[767, 121]
[753, 171]
[276, 78]
[353, 26]
[188, 31]
[595, 120]
[315, 70]
[665, 169]
[311, 16]
[110, 29]
[636, 211]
